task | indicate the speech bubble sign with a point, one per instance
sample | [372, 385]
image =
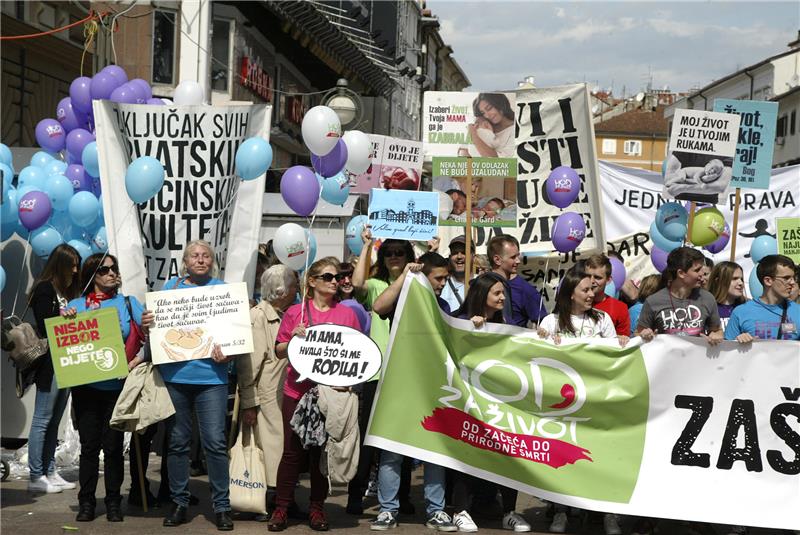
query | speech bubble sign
[334, 355]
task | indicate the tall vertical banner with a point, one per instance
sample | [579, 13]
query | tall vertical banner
[667, 429]
[553, 127]
[202, 197]
[752, 164]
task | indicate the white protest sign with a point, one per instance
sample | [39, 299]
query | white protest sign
[190, 322]
[334, 355]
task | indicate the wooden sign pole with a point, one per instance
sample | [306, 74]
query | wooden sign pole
[735, 224]
[468, 229]
[691, 221]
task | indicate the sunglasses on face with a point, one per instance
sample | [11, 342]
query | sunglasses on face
[397, 253]
[103, 270]
[344, 275]
[328, 277]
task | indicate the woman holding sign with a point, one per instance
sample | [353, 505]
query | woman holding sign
[201, 387]
[318, 306]
[95, 402]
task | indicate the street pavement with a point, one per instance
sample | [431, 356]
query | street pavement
[22, 513]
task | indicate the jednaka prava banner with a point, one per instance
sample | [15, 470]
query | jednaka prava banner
[668, 429]
[202, 197]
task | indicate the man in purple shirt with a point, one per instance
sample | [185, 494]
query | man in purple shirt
[524, 305]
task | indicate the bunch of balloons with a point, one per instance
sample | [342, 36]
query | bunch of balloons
[562, 187]
[762, 246]
[667, 232]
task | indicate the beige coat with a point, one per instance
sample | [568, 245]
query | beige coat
[340, 409]
[261, 375]
[144, 400]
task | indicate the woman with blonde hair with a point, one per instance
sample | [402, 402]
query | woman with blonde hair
[319, 305]
[726, 284]
[647, 287]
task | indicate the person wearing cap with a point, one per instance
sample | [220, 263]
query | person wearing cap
[453, 291]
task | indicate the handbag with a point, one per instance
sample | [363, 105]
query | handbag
[135, 339]
[22, 343]
[248, 474]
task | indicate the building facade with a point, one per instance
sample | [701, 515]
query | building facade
[635, 138]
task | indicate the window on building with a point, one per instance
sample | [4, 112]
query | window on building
[609, 146]
[792, 121]
[165, 30]
[633, 147]
[221, 54]
[780, 127]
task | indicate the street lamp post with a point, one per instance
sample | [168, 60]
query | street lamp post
[346, 103]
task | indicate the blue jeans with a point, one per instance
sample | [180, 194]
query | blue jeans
[389, 484]
[209, 403]
[43, 437]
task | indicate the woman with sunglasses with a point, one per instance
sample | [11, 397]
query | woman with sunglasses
[346, 296]
[318, 306]
[94, 403]
[200, 387]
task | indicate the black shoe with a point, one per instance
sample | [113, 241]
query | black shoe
[176, 516]
[135, 499]
[354, 507]
[193, 500]
[295, 513]
[224, 521]
[114, 512]
[407, 508]
[85, 513]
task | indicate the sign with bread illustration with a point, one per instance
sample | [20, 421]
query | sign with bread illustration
[190, 322]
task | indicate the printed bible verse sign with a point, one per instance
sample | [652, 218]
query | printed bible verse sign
[190, 322]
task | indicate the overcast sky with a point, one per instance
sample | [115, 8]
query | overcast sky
[678, 44]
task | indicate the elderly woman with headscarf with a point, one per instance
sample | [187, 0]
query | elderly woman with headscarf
[261, 373]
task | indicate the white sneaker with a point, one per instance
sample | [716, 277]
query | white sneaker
[464, 522]
[56, 479]
[611, 524]
[514, 521]
[41, 484]
[559, 524]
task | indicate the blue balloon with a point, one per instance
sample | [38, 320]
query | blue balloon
[611, 289]
[144, 179]
[41, 158]
[2, 278]
[312, 246]
[7, 176]
[9, 210]
[56, 167]
[763, 246]
[253, 158]
[336, 189]
[89, 158]
[5, 155]
[352, 233]
[32, 176]
[83, 208]
[59, 189]
[660, 241]
[44, 239]
[83, 248]
[100, 241]
[672, 220]
[756, 289]
[21, 191]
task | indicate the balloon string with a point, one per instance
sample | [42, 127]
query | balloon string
[308, 243]
[21, 270]
[89, 31]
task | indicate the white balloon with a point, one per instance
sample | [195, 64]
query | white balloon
[188, 93]
[359, 150]
[321, 130]
[166, 101]
[290, 246]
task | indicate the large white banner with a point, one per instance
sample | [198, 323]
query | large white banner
[202, 197]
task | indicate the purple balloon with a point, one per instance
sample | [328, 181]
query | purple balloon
[81, 181]
[50, 135]
[80, 93]
[562, 186]
[300, 189]
[618, 273]
[568, 232]
[143, 87]
[103, 84]
[34, 209]
[77, 140]
[658, 258]
[155, 101]
[69, 117]
[721, 242]
[117, 72]
[125, 94]
[332, 163]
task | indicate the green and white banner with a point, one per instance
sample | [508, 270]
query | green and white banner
[668, 429]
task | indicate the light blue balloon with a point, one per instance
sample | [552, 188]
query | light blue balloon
[83, 208]
[7, 176]
[336, 189]
[2, 279]
[763, 246]
[9, 211]
[672, 220]
[312, 246]
[352, 233]
[41, 158]
[89, 158]
[83, 248]
[59, 189]
[100, 241]
[21, 191]
[660, 241]
[56, 167]
[32, 176]
[253, 158]
[756, 289]
[5, 156]
[44, 239]
[144, 179]
[611, 289]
